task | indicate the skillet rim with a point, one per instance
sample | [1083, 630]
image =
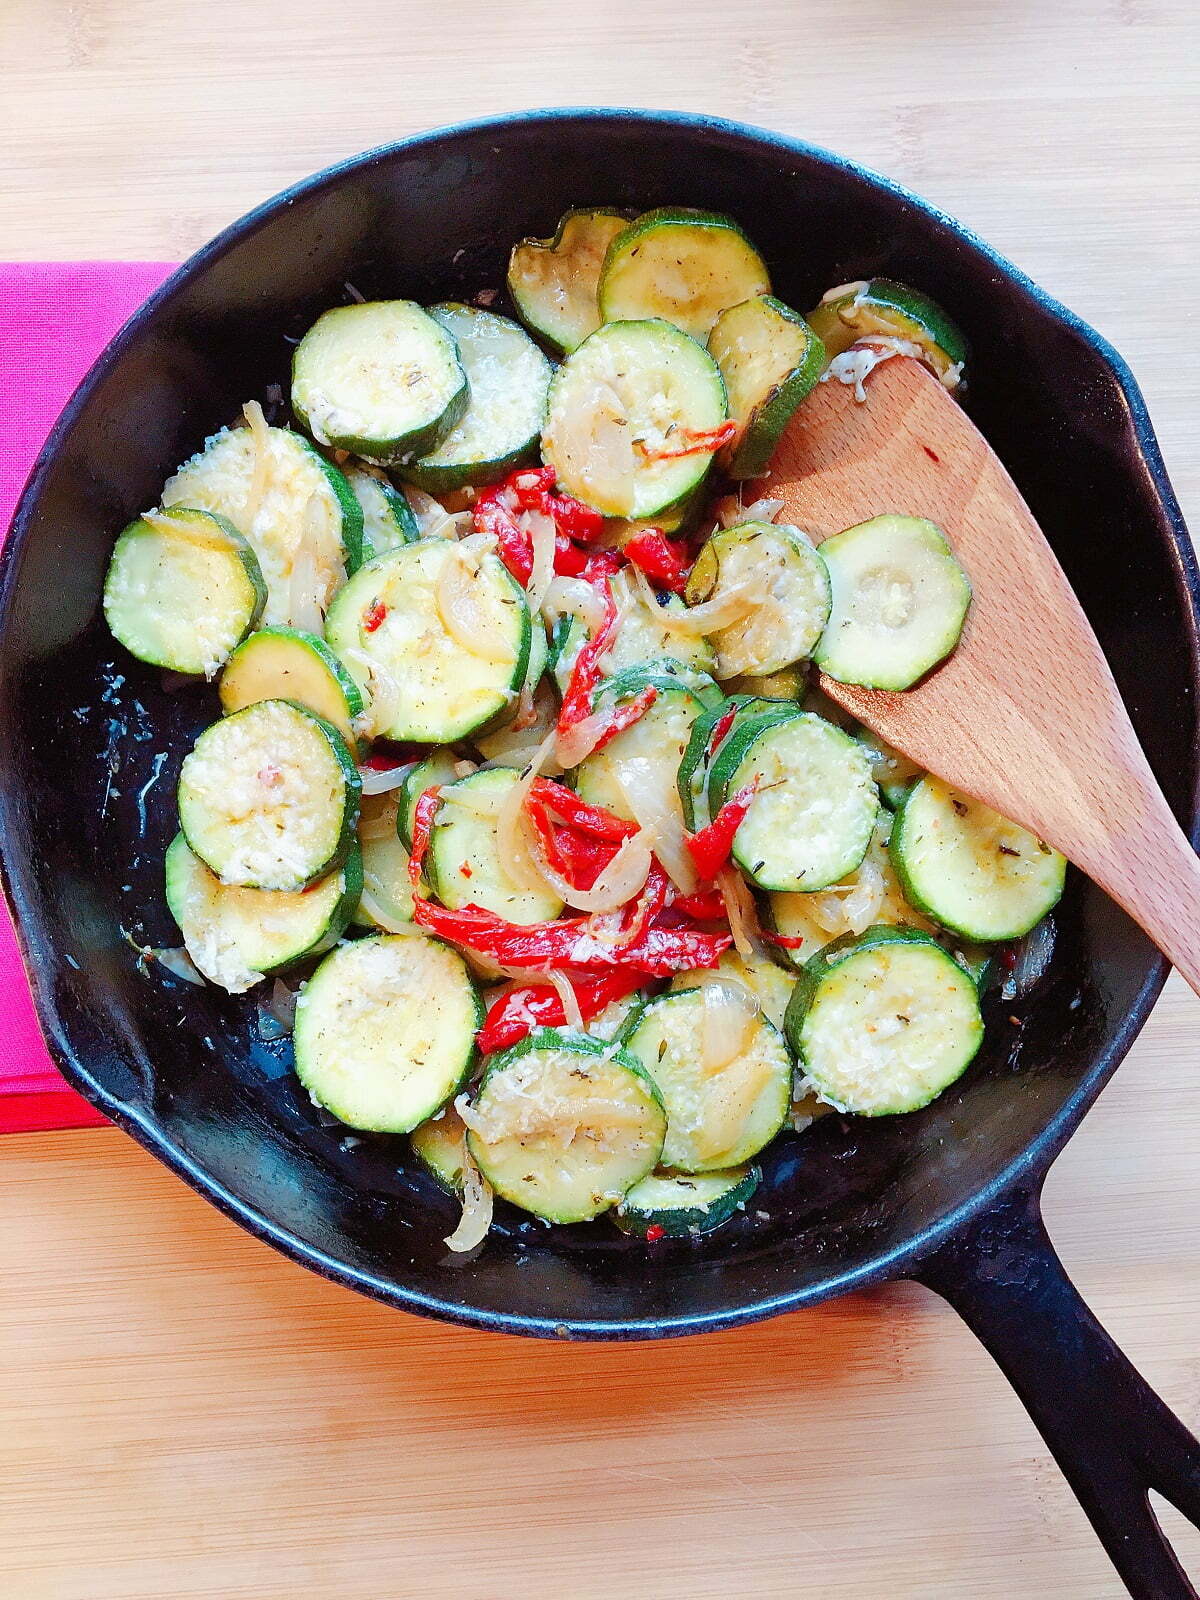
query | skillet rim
[1036, 1157]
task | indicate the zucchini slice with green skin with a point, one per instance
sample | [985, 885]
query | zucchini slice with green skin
[789, 685]
[386, 900]
[466, 864]
[969, 868]
[509, 746]
[509, 378]
[894, 773]
[624, 408]
[675, 1205]
[682, 265]
[435, 770]
[883, 1023]
[564, 1125]
[288, 664]
[183, 588]
[642, 637]
[813, 816]
[294, 507]
[388, 519]
[268, 797]
[791, 592]
[768, 982]
[382, 380]
[883, 306]
[553, 282]
[438, 1145]
[770, 359]
[237, 937]
[385, 1031]
[692, 775]
[722, 1115]
[899, 602]
[618, 1019]
[643, 760]
[388, 626]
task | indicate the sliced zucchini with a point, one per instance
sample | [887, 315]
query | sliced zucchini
[382, 380]
[643, 636]
[467, 864]
[672, 1205]
[564, 1126]
[510, 746]
[789, 684]
[268, 798]
[236, 937]
[288, 664]
[509, 377]
[624, 408]
[770, 359]
[390, 625]
[682, 265]
[618, 1019]
[294, 507]
[386, 900]
[439, 1145]
[183, 588]
[719, 1114]
[553, 281]
[388, 519]
[436, 769]
[385, 1031]
[813, 816]
[969, 868]
[642, 762]
[899, 602]
[789, 595]
[691, 778]
[882, 1023]
[770, 985]
[894, 773]
[883, 306]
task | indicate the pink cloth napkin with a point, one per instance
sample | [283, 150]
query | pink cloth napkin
[55, 318]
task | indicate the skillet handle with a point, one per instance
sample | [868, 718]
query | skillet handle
[1109, 1432]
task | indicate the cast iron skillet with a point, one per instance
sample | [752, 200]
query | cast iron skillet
[90, 745]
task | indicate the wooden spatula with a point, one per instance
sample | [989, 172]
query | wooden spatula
[1025, 714]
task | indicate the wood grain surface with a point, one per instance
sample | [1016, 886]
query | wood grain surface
[184, 1414]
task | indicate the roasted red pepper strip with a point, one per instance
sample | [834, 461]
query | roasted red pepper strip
[517, 1013]
[664, 563]
[708, 905]
[585, 674]
[567, 805]
[625, 715]
[710, 848]
[599, 565]
[532, 489]
[783, 940]
[577, 856]
[423, 814]
[720, 728]
[650, 903]
[703, 441]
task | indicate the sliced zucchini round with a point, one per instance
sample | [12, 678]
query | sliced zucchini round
[894, 773]
[423, 683]
[682, 265]
[618, 1019]
[643, 761]
[386, 900]
[691, 778]
[884, 1022]
[509, 377]
[288, 664]
[623, 408]
[642, 637]
[439, 1145]
[268, 798]
[564, 1126]
[768, 982]
[183, 588]
[294, 507]
[814, 813]
[718, 1116]
[553, 282]
[236, 937]
[388, 519]
[791, 595]
[435, 770]
[899, 602]
[385, 1031]
[467, 863]
[382, 380]
[672, 1204]
[881, 305]
[770, 359]
[969, 868]
[509, 746]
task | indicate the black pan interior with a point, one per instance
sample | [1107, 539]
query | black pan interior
[90, 743]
